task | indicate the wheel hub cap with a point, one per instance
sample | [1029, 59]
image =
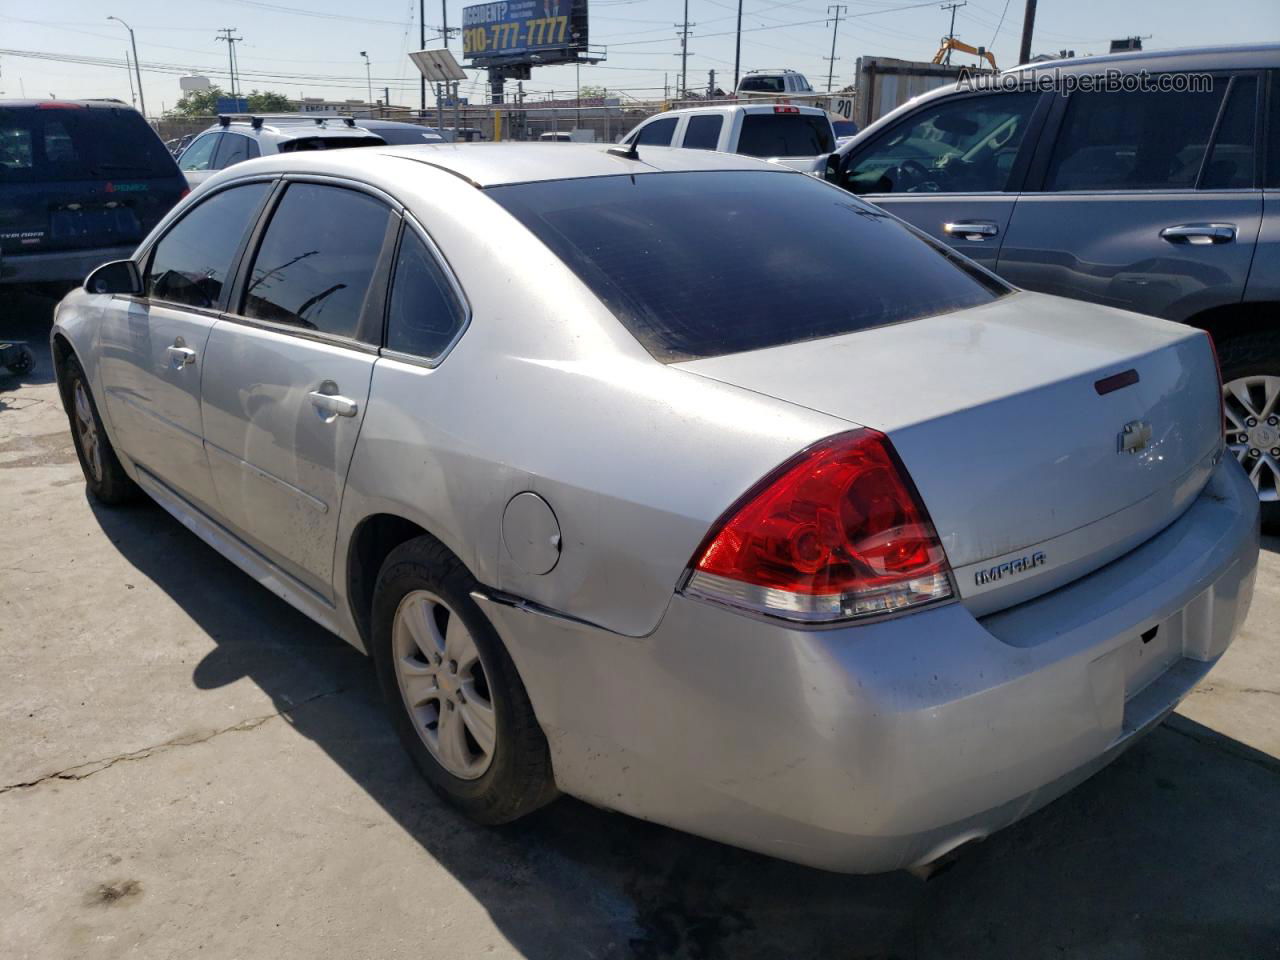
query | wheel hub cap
[1251, 406]
[444, 685]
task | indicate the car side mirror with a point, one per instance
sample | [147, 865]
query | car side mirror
[831, 169]
[118, 276]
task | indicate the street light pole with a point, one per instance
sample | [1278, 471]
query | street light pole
[737, 50]
[368, 76]
[142, 101]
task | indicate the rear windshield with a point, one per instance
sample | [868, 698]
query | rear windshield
[762, 84]
[708, 263]
[329, 143]
[79, 143]
[785, 135]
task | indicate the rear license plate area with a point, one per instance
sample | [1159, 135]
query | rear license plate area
[96, 221]
[1150, 653]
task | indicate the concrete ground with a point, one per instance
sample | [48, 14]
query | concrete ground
[190, 768]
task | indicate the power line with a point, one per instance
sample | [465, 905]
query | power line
[226, 35]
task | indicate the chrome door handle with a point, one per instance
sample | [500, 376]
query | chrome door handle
[333, 403]
[971, 229]
[181, 356]
[1199, 233]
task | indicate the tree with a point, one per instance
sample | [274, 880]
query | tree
[204, 103]
[198, 103]
[590, 91]
[268, 102]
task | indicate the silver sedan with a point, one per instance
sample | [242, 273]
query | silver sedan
[679, 482]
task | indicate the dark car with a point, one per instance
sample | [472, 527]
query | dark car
[1148, 181]
[396, 132]
[81, 183]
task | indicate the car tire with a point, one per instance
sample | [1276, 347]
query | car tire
[104, 477]
[1251, 385]
[452, 689]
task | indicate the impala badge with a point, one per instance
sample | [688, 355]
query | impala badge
[1135, 436]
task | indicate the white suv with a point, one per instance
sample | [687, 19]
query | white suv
[796, 137]
[238, 137]
[772, 82]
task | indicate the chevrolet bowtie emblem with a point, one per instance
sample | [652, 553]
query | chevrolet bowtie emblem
[1135, 436]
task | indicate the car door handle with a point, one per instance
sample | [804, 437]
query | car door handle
[1200, 233]
[181, 356]
[333, 403]
[971, 229]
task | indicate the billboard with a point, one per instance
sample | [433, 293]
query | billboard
[524, 31]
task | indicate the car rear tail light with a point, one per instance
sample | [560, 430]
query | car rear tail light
[58, 105]
[781, 109]
[836, 533]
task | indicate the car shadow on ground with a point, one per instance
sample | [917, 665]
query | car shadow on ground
[1173, 851]
[25, 317]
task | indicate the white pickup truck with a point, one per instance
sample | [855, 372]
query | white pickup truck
[794, 136]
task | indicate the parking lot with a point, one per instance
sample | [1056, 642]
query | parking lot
[191, 768]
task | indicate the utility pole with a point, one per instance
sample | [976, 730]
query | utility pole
[951, 34]
[1028, 24]
[368, 76]
[839, 10]
[128, 72]
[226, 34]
[737, 50]
[422, 45]
[711, 84]
[684, 51]
[142, 101]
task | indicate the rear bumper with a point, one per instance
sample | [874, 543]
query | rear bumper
[59, 266]
[885, 745]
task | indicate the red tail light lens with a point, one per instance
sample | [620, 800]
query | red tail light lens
[836, 533]
[781, 109]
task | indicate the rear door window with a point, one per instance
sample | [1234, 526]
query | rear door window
[57, 142]
[424, 314]
[658, 133]
[1134, 140]
[317, 258]
[708, 263]
[1230, 165]
[235, 148]
[191, 262]
[785, 135]
[199, 155]
[703, 132]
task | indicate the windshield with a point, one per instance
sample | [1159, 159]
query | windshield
[709, 263]
[762, 84]
[79, 143]
[785, 135]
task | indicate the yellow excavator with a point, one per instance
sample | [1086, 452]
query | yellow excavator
[951, 43]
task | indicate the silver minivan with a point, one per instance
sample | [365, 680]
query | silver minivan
[1146, 181]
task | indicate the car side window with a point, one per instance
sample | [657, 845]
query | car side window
[424, 313]
[190, 263]
[658, 133]
[233, 149]
[1231, 158]
[317, 257]
[703, 132]
[1134, 140]
[965, 145]
[199, 156]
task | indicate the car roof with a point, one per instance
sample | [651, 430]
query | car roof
[496, 164]
[48, 102]
[738, 108]
[1233, 56]
[291, 127]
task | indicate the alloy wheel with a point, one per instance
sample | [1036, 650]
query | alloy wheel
[87, 431]
[444, 685]
[1252, 408]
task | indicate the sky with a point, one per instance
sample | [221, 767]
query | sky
[312, 47]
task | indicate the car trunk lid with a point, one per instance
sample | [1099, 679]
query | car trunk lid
[1011, 419]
